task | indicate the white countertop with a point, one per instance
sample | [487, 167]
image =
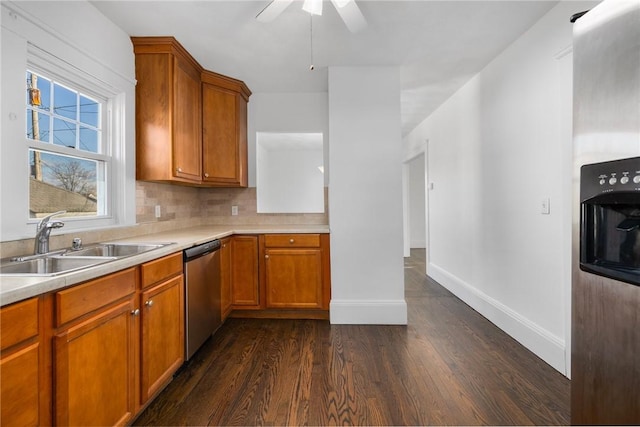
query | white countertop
[16, 288]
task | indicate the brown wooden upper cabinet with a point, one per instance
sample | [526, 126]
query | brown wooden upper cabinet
[224, 130]
[191, 123]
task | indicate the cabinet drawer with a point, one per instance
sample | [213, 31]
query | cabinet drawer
[82, 299]
[292, 240]
[19, 322]
[159, 269]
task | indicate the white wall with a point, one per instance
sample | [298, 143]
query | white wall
[365, 196]
[497, 148]
[287, 113]
[290, 181]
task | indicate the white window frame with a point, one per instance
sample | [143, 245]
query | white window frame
[104, 154]
[49, 66]
[15, 223]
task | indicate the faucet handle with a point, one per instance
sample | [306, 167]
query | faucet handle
[46, 219]
[76, 244]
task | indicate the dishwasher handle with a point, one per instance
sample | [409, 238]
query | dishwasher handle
[201, 250]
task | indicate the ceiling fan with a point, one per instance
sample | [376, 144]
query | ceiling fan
[347, 9]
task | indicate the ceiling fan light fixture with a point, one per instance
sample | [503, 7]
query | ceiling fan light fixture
[314, 7]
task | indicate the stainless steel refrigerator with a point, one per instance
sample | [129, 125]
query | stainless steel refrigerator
[605, 338]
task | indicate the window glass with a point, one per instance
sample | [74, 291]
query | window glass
[75, 117]
[67, 165]
[88, 139]
[89, 111]
[38, 126]
[65, 102]
[60, 182]
[64, 133]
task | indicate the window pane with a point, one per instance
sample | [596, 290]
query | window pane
[40, 122]
[64, 133]
[59, 182]
[65, 102]
[89, 139]
[44, 86]
[89, 111]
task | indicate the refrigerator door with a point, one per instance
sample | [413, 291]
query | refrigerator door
[605, 339]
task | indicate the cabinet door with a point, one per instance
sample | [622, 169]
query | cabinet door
[153, 127]
[187, 110]
[224, 137]
[95, 368]
[162, 311]
[23, 399]
[294, 278]
[20, 387]
[225, 278]
[244, 271]
[25, 381]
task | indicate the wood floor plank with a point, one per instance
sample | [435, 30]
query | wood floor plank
[448, 366]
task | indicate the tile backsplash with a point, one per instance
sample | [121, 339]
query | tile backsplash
[180, 207]
[211, 206]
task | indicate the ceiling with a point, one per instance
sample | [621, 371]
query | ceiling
[438, 45]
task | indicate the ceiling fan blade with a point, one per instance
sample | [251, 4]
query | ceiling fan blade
[351, 15]
[273, 10]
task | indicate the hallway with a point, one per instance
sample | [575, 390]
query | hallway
[448, 366]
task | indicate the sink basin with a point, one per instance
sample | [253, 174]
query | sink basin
[65, 261]
[116, 250]
[48, 266]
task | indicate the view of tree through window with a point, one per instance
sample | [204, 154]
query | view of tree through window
[67, 165]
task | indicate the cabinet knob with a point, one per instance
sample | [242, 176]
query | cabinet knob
[178, 169]
[291, 241]
[266, 257]
[135, 312]
[206, 175]
[149, 303]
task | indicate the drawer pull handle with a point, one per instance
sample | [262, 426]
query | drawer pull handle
[135, 312]
[149, 303]
[291, 241]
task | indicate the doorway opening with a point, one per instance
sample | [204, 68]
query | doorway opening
[415, 204]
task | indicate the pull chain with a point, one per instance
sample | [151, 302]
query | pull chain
[311, 40]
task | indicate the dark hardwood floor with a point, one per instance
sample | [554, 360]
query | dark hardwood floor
[449, 366]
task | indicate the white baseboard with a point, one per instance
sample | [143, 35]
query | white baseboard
[540, 341]
[376, 312]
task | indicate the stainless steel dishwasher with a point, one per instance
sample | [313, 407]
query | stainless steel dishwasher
[202, 294]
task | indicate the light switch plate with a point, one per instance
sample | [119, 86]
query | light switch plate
[234, 210]
[545, 209]
[158, 211]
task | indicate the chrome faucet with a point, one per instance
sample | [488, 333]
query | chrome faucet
[43, 230]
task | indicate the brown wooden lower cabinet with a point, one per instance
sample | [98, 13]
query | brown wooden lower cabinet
[96, 353]
[294, 278]
[162, 323]
[23, 400]
[226, 295]
[244, 272]
[162, 340]
[291, 278]
[296, 272]
[95, 367]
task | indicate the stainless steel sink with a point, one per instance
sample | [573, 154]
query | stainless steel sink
[116, 250]
[68, 260]
[48, 266]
